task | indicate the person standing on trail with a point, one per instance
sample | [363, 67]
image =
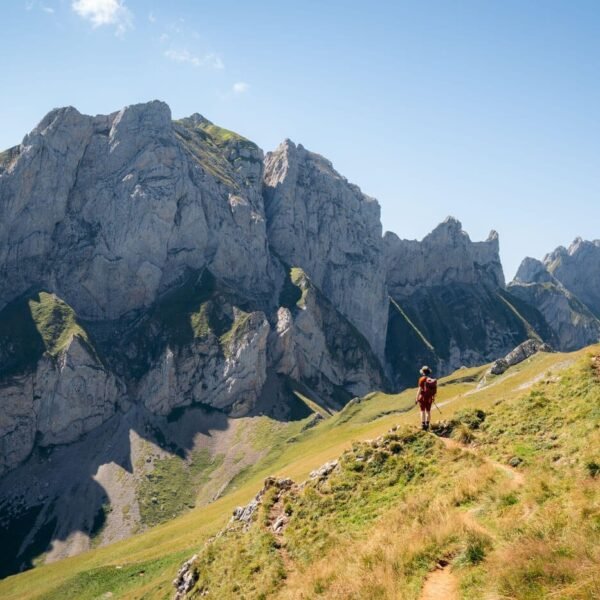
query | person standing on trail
[426, 395]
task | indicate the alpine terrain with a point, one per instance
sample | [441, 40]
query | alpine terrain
[192, 329]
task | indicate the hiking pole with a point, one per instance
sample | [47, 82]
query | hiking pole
[435, 404]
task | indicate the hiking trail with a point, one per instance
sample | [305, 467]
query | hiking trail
[440, 584]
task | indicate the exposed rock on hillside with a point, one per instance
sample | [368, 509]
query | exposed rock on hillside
[519, 354]
[53, 386]
[312, 342]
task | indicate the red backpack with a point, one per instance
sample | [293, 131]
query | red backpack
[429, 387]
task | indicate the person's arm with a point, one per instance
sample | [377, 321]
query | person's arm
[418, 392]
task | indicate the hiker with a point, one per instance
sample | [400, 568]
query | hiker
[426, 395]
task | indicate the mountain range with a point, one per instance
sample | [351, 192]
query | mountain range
[166, 287]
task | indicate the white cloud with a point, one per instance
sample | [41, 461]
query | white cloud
[31, 4]
[151, 17]
[210, 60]
[105, 12]
[240, 87]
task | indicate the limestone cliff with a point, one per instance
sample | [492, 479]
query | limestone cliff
[572, 321]
[448, 305]
[578, 269]
[321, 223]
[154, 234]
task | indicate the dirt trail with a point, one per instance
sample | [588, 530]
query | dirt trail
[440, 584]
[517, 477]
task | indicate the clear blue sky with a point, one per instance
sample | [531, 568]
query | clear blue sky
[486, 110]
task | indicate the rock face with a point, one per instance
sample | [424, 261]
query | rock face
[312, 342]
[578, 269]
[150, 265]
[448, 303]
[321, 223]
[110, 211]
[66, 397]
[445, 256]
[53, 386]
[573, 322]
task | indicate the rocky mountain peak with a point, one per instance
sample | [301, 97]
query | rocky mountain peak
[445, 255]
[532, 270]
[573, 266]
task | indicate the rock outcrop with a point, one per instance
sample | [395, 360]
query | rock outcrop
[446, 256]
[313, 342]
[522, 352]
[53, 386]
[321, 223]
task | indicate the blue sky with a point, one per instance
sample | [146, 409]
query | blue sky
[485, 110]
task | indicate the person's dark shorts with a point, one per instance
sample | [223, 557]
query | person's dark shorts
[425, 403]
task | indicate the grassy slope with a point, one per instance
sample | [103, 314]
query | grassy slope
[143, 566]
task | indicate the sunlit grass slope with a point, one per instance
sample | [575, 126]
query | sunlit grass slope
[542, 416]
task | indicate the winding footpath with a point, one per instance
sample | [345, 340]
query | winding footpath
[442, 584]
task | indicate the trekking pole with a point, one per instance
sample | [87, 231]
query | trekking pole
[435, 403]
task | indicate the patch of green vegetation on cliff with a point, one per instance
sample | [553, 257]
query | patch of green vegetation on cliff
[195, 310]
[208, 144]
[241, 325]
[222, 136]
[170, 488]
[55, 320]
[32, 326]
[302, 282]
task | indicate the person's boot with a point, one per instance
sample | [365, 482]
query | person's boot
[427, 426]
[424, 426]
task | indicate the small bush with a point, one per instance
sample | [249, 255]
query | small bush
[593, 468]
[472, 417]
[474, 551]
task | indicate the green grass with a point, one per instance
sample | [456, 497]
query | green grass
[208, 144]
[171, 487]
[240, 326]
[117, 579]
[300, 279]
[33, 326]
[55, 321]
